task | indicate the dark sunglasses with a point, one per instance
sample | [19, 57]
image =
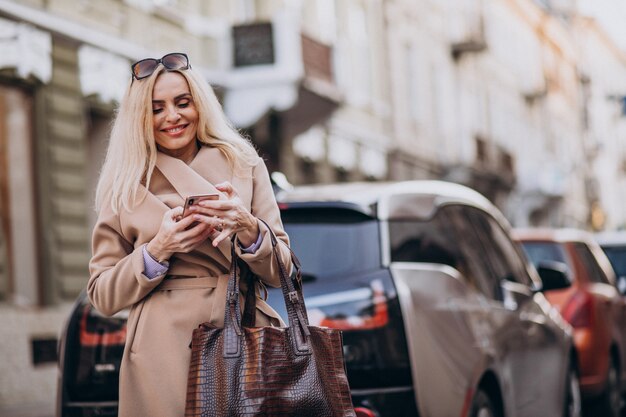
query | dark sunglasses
[145, 67]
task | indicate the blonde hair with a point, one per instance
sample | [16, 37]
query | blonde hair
[132, 153]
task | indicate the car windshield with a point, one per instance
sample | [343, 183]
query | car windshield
[617, 256]
[332, 242]
[544, 251]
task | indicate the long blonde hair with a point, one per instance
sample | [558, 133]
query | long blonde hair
[132, 153]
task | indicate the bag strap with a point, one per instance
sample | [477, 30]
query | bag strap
[249, 311]
[292, 295]
[232, 309]
[251, 279]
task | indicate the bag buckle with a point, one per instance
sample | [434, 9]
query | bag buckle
[293, 297]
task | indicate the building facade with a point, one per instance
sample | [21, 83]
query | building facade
[519, 99]
[488, 94]
[604, 67]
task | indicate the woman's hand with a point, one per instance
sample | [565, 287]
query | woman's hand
[227, 216]
[177, 235]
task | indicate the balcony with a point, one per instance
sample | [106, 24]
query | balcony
[467, 29]
[492, 172]
[276, 69]
[318, 95]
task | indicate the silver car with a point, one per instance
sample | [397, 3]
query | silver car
[427, 269]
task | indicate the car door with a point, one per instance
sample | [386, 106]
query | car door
[612, 304]
[538, 367]
[542, 377]
[504, 334]
[443, 310]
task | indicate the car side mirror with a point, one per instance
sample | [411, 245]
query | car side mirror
[553, 275]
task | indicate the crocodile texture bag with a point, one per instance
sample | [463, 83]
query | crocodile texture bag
[267, 371]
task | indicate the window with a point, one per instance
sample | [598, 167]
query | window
[478, 255]
[539, 252]
[326, 20]
[425, 241]
[333, 242]
[544, 251]
[412, 74]
[19, 275]
[507, 260]
[445, 239]
[595, 273]
[352, 55]
[617, 256]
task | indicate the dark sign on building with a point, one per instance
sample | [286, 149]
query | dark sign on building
[253, 44]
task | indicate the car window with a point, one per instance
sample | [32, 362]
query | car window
[508, 259]
[544, 251]
[438, 240]
[332, 242]
[595, 273]
[432, 241]
[475, 254]
[501, 253]
[617, 256]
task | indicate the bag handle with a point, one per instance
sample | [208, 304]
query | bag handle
[294, 302]
[249, 313]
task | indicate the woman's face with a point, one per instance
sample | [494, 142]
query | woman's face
[175, 117]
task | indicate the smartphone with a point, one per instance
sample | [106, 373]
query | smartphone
[195, 199]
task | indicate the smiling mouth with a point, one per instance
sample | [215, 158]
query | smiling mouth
[175, 129]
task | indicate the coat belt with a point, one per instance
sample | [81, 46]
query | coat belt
[187, 283]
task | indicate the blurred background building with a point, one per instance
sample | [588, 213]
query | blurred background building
[523, 100]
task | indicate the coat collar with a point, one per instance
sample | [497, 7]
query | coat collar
[186, 179]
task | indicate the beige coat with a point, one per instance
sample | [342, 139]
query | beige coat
[165, 310]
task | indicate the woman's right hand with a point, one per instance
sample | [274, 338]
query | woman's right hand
[177, 235]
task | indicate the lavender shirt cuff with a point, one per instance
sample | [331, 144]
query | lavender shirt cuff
[255, 246]
[151, 267]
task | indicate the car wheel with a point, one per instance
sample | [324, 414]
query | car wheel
[573, 401]
[482, 405]
[611, 398]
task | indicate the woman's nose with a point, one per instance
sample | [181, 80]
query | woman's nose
[172, 115]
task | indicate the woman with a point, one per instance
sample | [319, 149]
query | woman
[170, 140]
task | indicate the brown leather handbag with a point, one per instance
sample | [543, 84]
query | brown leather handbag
[267, 371]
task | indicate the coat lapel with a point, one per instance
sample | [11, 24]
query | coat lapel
[185, 180]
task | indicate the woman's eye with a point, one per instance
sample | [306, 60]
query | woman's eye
[156, 111]
[183, 104]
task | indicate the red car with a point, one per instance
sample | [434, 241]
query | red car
[592, 305]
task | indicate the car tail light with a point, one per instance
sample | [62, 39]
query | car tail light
[579, 310]
[364, 412]
[379, 316]
[96, 353]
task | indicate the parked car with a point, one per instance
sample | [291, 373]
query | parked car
[442, 314]
[592, 305]
[614, 246]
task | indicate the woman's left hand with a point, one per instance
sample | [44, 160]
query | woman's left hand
[228, 216]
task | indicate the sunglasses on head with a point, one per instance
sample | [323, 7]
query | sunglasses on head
[145, 67]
